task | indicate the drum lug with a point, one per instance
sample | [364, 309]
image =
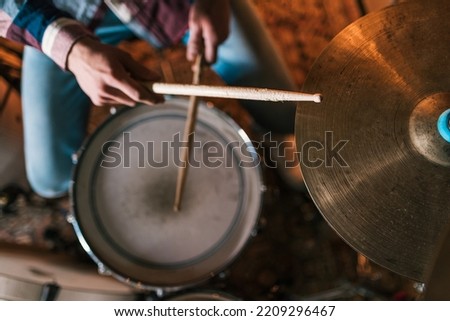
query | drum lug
[75, 157]
[103, 270]
[113, 110]
[70, 218]
[160, 293]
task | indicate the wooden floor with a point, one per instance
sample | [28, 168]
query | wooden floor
[295, 254]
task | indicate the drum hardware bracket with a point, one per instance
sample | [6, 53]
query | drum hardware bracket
[103, 270]
[49, 291]
[70, 218]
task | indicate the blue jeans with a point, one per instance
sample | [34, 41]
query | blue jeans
[55, 110]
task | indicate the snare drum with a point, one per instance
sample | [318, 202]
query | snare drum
[33, 274]
[123, 193]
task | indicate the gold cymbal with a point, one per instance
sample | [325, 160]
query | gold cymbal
[371, 155]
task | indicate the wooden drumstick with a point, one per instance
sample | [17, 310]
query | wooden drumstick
[246, 93]
[188, 136]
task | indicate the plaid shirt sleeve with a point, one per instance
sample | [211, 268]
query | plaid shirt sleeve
[161, 22]
[40, 24]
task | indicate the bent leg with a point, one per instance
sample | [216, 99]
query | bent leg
[249, 58]
[55, 115]
[55, 112]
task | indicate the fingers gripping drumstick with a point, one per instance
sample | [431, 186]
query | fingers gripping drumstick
[188, 137]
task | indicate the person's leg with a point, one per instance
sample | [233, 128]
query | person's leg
[249, 58]
[55, 114]
[54, 117]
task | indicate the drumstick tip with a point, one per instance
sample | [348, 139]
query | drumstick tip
[318, 98]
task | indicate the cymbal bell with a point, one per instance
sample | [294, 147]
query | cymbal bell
[372, 157]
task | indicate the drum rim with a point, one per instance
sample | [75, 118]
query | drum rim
[108, 269]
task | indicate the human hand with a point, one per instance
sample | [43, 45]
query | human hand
[208, 28]
[110, 76]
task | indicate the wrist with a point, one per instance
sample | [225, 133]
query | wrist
[59, 38]
[80, 49]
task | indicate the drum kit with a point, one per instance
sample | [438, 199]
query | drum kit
[374, 153]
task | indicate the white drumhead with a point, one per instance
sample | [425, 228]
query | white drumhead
[24, 273]
[123, 199]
